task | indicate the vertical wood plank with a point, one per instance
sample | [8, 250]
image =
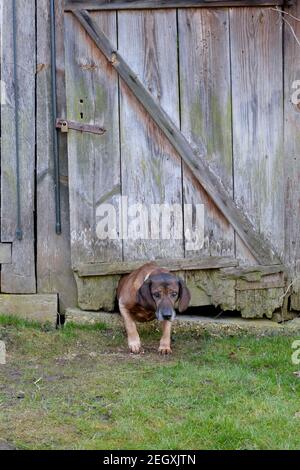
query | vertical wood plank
[54, 273]
[206, 113]
[94, 161]
[19, 277]
[257, 87]
[151, 169]
[292, 149]
[2, 99]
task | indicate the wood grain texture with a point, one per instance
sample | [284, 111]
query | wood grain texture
[53, 255]
[5, 253]
[261, 249]
[18, 277]
[94, 161]
[142, 4]
[257, 81]
[151, 169]
[103, 269]
[292, 151]
[205, 90]
[253, 273]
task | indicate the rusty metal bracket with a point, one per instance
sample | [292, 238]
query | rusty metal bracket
[64, 125]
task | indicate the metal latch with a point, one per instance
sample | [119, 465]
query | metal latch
[65, 125]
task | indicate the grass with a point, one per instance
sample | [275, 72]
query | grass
[78, 388]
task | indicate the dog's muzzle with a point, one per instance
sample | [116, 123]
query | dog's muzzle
[165, 314]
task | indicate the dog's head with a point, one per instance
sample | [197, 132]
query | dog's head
[162, 292]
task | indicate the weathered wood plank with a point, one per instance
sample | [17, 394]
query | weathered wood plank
[18, 277]
[41, 308]
[292, 151]
[244, 286]
[54, 273]
[5, 253]
[253, 272]
[106, 269]
[256, 57]
[148, 4]
[204, 54]
[94, 161]
[261, 249]
[151, 169]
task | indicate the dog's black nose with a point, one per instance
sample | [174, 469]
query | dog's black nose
[167, 316]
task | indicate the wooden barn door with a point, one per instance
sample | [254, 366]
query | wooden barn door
[132, 158]
[160, 82]
[94, 160]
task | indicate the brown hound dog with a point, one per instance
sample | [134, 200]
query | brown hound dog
[151, 292]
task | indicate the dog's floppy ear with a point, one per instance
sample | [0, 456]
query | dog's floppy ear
[184, 296]
[144, 297]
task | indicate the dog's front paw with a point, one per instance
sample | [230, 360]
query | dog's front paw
[135, 346]
[165, 349]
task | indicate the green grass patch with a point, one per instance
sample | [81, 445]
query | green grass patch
[78, 388]
[17, 322]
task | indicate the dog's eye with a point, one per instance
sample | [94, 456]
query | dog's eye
[156, 295]
[174, 294]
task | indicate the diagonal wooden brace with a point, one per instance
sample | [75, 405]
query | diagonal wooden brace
[261, 249]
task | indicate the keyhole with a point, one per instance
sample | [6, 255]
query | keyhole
[81, 114]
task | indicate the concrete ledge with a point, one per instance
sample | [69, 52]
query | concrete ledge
[81, 317]
[194, 323]
[37, 307]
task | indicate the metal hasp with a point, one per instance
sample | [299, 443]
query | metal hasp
[54, 114]
[64, 125]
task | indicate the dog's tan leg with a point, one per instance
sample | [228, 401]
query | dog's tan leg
[165, 342]
[134, 342]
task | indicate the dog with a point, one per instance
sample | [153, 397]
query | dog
[151, 292]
